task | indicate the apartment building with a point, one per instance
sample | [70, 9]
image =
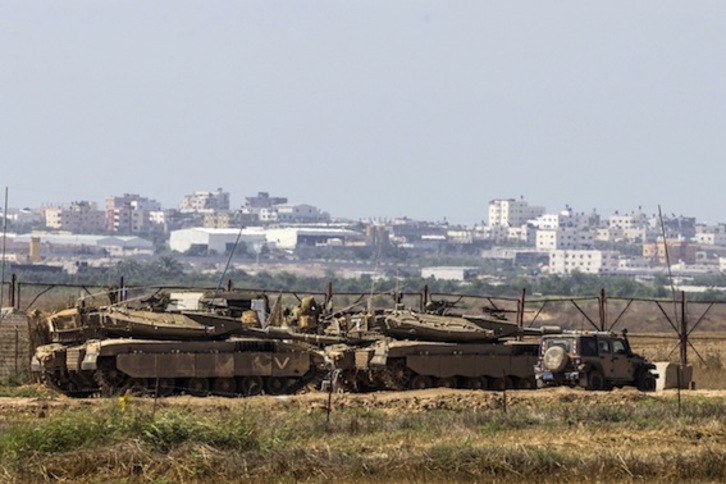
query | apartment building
[78, 217]
[205, 201]
[130, 213]
[710, 235]
[512, 213]
[217, 219]
[565, 238]
[585, 261]
[678, 250]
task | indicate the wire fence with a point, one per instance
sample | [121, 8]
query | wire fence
[675, 330]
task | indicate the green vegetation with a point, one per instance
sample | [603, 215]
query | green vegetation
[634, 438]
[168, 271]
[12, 390]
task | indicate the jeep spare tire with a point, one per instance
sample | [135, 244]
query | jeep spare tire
[555, 359]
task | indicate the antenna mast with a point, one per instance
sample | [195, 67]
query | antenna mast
[668, 263]
[5, 237]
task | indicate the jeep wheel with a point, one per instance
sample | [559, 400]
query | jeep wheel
[555, 359]
[646, 383]
[595, 381]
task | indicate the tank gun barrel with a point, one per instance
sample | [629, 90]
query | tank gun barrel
[549, 329]
[272, 332]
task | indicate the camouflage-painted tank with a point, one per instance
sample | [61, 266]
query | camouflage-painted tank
[419, 350]
[221, 351]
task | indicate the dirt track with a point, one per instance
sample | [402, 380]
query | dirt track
[393, 402]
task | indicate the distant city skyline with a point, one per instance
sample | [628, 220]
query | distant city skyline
[424, 109]
[650, 211]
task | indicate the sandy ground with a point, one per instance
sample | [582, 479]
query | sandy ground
[393, 402]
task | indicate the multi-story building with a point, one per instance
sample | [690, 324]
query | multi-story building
[565, 218]
[680, 226]
[130, 213]
[78, 217]
[678, 250]
[512, 213]
[205, 201]
[711, 235]
[263, 202]
[217, 219]
[634, 227]
[565, 238]
[635, 220]
[585, 261]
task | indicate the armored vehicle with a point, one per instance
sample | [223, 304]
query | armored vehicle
[420, 350]
[117, 348]
[592, 360]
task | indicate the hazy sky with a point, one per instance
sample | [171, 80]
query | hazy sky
[425, 109]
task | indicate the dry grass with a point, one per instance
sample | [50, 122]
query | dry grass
[706, 353]
[559, 435]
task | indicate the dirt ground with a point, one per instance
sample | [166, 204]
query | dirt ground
[393, 402]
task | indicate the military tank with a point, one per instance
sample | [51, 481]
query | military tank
[221, 349]
[421, 350]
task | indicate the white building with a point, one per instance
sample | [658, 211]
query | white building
[449, 273]
[126, 246]
[293, 214]
[629, 221]
[512, 213]
[286, 238]
[217, 240]
[565, 238]
[634, 227]
[710, 235]
[290, 238]
[565, 218]
[585, 261]
[618, 234]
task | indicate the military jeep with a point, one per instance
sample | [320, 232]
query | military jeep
[592, 360]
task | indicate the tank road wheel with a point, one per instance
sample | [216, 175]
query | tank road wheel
[110, 379]
[476, 383]
[397, 375]
[164, 387]
[57, 381]
[138, 387]
[419, 382]
[250, 386]
[199, 387]
[276, 385]
[224, 387]
[595, 381]
[446, 382]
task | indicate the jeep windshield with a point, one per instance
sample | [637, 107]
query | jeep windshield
[564, 343]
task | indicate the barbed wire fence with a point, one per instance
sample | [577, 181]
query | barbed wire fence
[679, 330]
